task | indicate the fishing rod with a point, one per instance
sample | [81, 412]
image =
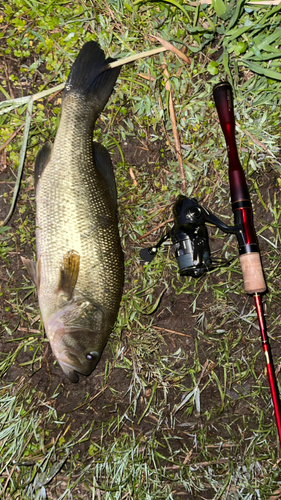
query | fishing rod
[254, 282]
[190, 241]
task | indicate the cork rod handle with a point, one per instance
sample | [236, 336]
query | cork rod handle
[251, 266]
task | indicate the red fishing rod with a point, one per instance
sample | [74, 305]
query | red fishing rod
[254, 282]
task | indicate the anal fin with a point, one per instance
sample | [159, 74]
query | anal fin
[33, 270]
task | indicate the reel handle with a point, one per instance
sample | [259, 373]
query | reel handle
[241, 204]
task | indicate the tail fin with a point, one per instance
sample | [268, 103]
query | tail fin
[91, 77]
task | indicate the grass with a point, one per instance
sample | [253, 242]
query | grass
[179, 406]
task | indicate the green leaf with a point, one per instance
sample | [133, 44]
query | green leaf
[269, 73]
[211, 23]
[225, 61]
[240, 48]
[22, 157]
[267, 40]
[194, 49]
[262, 41]
[235, 33]
[229, 10]
[4, 92]
[213, 68]
[265, 57]
[219, 7]
[155, 305]
[128, 7]
[269, 13]
[236, 14]
[272, 49]
[183, 8]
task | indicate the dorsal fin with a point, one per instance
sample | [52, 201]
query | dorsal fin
[41, 161]
[104, 165]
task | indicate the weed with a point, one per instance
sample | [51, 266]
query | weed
[179, 406]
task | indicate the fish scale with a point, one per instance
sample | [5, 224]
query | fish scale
[78, 204]
[79, 271]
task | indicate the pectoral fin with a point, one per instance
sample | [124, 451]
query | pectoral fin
[69, 273]
[33, 270]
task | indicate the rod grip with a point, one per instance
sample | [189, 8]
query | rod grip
[251, 266]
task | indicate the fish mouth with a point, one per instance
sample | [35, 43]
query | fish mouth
[69, 371]
[69, 364]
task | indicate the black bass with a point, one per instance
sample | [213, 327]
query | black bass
[79, 270]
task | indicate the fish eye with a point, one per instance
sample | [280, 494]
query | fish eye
[92, 355]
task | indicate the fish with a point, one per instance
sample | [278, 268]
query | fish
[79, 268]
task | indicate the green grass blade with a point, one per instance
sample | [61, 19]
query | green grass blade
[21, 163]
[260, 70]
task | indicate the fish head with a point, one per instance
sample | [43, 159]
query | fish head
[77, 351]
[77, 338]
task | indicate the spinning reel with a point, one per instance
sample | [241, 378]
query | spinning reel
[190, 239]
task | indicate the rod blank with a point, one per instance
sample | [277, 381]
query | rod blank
[250, 260]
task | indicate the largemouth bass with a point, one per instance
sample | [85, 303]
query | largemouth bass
[79, 269]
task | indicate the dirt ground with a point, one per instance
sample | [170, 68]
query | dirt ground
[176, 326]
[91, 400]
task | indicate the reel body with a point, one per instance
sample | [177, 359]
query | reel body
[189, 236]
